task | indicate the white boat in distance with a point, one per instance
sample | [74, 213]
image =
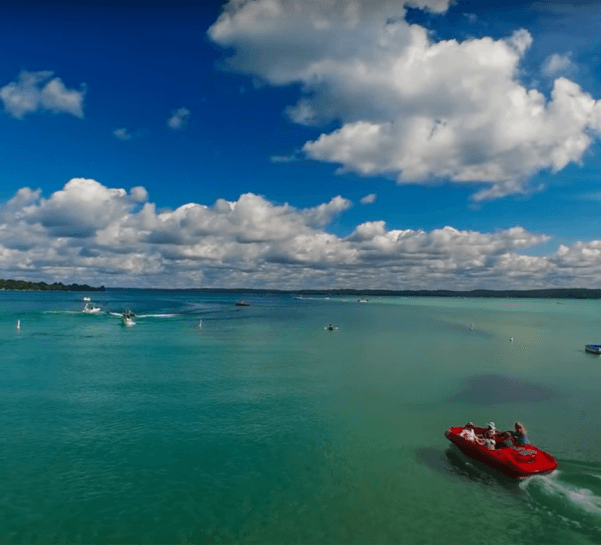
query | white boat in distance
[87, 299]
[91, 308]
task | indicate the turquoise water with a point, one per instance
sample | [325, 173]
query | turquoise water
[263, 427]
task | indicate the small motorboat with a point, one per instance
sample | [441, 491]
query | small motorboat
[516, 461]
[87, 299]
[362, 300]
[593, 348]
[128, 318]
[91, 308]
[242, 304]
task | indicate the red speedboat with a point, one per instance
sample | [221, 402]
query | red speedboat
[513, 461]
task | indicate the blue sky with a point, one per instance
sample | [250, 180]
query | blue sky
[291, 144]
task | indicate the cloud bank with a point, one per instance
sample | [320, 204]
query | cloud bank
[406, 106]
[89, 233]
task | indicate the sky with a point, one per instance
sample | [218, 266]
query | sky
[295, 144]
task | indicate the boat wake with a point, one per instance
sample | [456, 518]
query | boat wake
[156, 315]
[554, 487]
[120, 314]
[574, 497]
[200, 307]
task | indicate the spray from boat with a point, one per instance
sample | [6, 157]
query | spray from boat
[574, 497]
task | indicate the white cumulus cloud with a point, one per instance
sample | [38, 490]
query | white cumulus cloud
[40, 91]
[82, 208]
[368, 199]
[435, 6]
[556, 64]
[179, 119]
[408, 107]
[122, 134]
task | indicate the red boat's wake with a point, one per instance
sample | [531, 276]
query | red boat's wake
[569, 498]
[552, 485]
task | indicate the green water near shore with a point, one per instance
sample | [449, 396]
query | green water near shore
[263, 427]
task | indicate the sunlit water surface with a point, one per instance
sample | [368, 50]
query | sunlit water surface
[261, 426]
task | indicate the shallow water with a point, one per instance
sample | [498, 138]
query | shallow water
[262, 426]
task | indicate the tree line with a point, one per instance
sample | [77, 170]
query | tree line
[43, 286]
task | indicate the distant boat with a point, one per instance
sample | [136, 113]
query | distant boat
[593, 348]
[91, 308]
[127, 318]
[87, 299]
[242, 304]
[362, 300]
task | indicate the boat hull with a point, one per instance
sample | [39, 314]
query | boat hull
[90, 308]
[593, 348]
[516, 462]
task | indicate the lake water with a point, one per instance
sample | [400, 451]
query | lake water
[261, 426]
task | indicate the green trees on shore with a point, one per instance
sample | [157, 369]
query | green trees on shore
[42, 286]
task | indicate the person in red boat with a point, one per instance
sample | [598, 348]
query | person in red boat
[489, 436]
[521, 434]
[517, 437]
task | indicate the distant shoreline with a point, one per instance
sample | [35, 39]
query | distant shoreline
[22, 285]
[560, 293]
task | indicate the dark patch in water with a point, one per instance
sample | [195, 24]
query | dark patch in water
[465, 328]
[466, 468]
[44, 334]
[495, 389]
[435, 459]
[452, 463]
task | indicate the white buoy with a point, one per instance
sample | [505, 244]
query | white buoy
[472, 326]
[200, 323]
[18, 325]
[511, 339]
